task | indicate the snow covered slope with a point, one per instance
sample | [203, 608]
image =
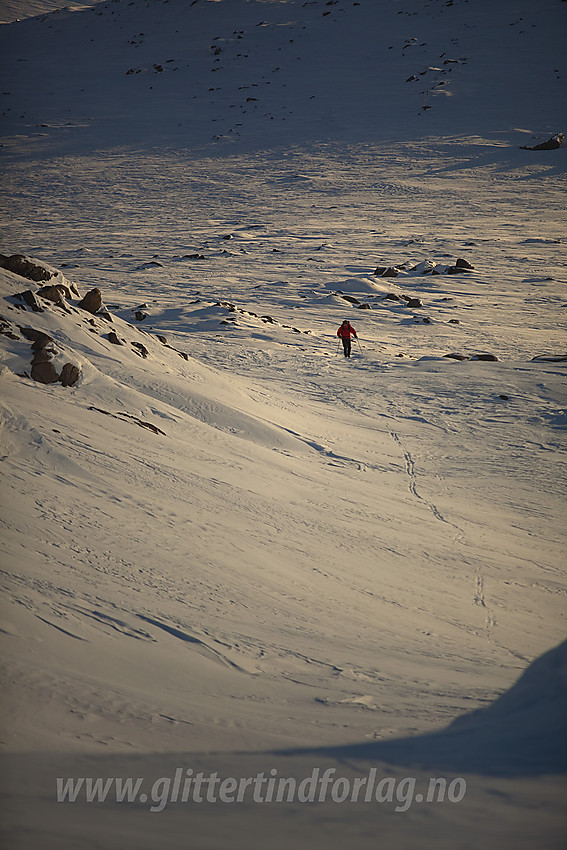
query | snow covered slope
[227, 548]
[264, 72]
[16, 10]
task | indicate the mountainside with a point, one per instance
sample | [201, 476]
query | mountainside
[265, 73]
[227, 548]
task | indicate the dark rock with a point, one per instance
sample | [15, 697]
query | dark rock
[351, 299]
[267, 319]
[550, 358]
[129, 417]
[504, 397]
[69, 374]
[18, 264]
[552, 144]
[457, 356]
[92, 301]
[457, 270]
[162, 339]
[391, 296]
[6, 329]
[386, 271]
[114, 339]
[364, 306]
[42, 356]
[463, 264]
[454, 321]
[140, 349]
[44, 373]
[38, 338]
[489, 357]
[415, 302]
[139, 315]
[29, 298]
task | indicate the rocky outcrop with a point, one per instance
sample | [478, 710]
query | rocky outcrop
[25, 267]
[32, 269]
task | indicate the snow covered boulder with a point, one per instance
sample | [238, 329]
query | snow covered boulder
[387, 271]
[55, 292]
[552, 144]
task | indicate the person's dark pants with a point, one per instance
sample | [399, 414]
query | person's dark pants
[346, 345]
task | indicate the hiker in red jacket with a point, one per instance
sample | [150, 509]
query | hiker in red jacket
[344, 332]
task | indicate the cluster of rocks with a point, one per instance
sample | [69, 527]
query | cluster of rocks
[42, 367]
[30, 269]
[403, 300]
[352, 299]
[58, 292]
[232, 308]
[408, 300]
[44, 349]
[488, 357]
[426, 267]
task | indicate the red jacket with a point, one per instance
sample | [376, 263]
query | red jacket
[345, 331]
